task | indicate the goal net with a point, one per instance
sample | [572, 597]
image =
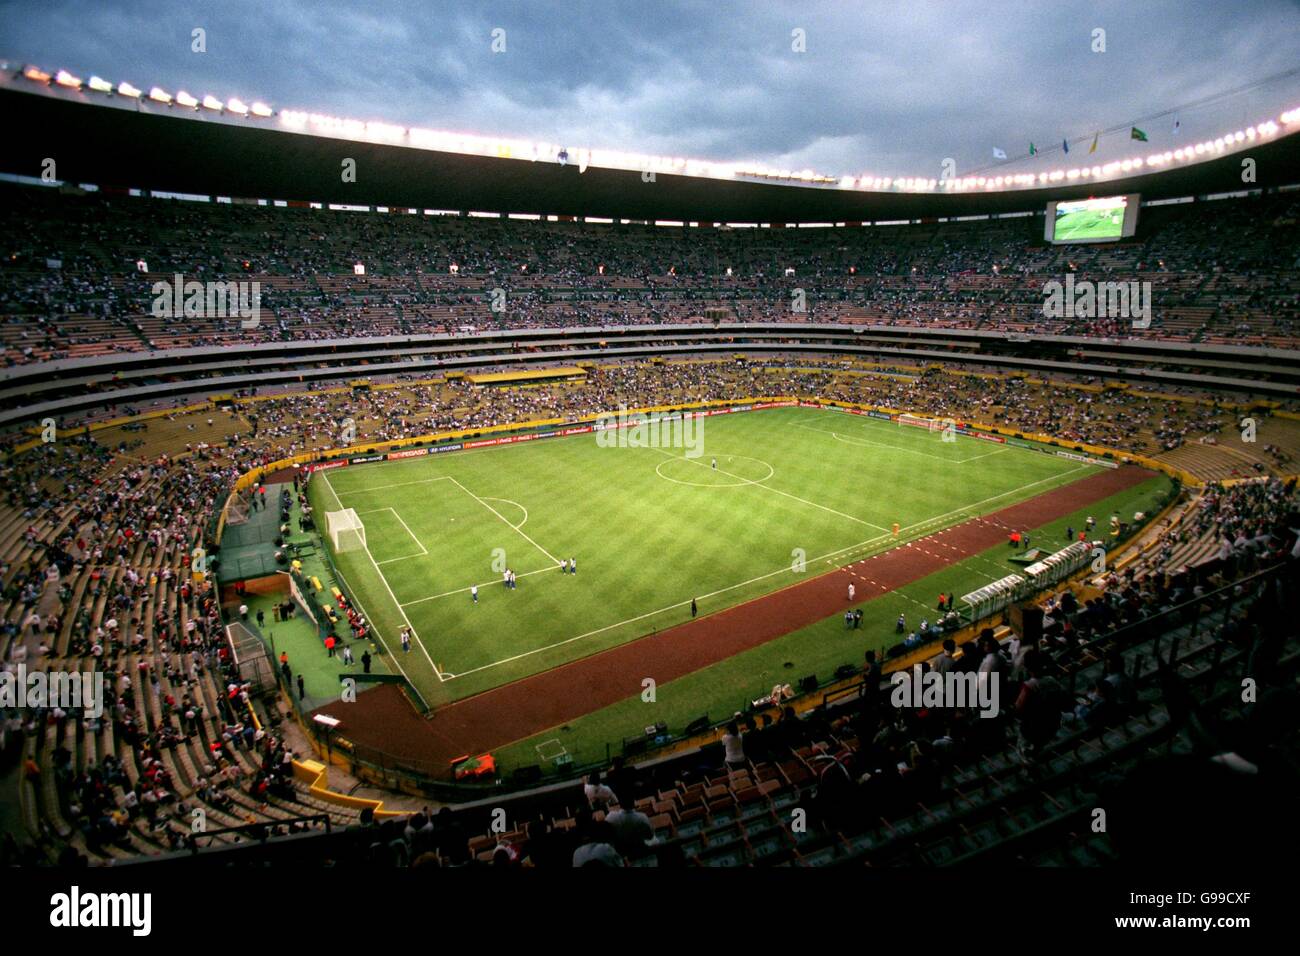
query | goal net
[916, 421]
[345, 529]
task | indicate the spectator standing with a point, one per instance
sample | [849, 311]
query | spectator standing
[733, 747]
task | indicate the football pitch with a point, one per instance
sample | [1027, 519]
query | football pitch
[1090, 224]
[773, 496]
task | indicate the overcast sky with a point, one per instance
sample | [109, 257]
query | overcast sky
[885, 88]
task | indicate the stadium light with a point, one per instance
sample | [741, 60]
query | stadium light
[498, 147]
[386, 132]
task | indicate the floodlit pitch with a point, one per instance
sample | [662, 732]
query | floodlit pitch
[648, 528]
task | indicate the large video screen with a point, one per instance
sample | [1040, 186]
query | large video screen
[1104, 219]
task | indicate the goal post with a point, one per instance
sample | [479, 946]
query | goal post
[345, 530]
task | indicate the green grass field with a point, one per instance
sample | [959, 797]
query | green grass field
[649, 527]
[1089, 224]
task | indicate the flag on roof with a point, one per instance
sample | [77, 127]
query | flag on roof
[1032, 149]
[999, 153]
[1065, 145]
[1093, 147]
[1137, 134]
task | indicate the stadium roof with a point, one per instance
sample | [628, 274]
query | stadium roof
[111, 140]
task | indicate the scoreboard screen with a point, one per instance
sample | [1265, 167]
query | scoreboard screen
[1104, 219]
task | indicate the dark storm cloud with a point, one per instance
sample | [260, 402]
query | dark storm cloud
[885, 88]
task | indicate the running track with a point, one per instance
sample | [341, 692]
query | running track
[533, 704]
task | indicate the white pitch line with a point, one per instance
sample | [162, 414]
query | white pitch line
[510, 501]
[400, 484]
[400, 611]
[775, 491]
[409, 531]
[1059, 474]
[518, 531]
[995, 451]
[423, 550]
[866, 424]
[481, 584]
[356, 600]
[851, 440]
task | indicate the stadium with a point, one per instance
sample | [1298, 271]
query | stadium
[418, 499]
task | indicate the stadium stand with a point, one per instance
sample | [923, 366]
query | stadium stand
[958, 275]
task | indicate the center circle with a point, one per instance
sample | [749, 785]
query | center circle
[733, 471]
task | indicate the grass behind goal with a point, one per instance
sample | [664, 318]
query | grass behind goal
[649, 528]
